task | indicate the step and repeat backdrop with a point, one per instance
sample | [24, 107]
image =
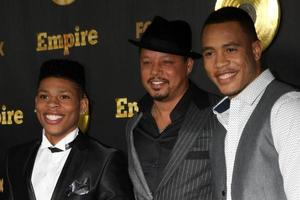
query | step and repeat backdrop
[96, 33]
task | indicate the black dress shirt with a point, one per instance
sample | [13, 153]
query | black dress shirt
[154, 148]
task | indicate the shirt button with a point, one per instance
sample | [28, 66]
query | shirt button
[155, 164]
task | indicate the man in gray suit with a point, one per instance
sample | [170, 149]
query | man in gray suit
[168, 140]
[256, 148]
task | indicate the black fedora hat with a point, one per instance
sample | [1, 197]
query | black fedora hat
[174, 37]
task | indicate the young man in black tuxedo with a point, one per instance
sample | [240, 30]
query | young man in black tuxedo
[64, 163]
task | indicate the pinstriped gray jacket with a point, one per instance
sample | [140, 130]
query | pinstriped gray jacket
[187, 176]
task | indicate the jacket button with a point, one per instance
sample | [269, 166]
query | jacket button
[223, 193]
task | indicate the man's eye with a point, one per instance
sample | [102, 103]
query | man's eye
[230, 50]
[43, 96]
[145, 62]
[207, 53]
[168, 62]
[63, 97]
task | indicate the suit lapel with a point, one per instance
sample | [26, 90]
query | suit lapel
[71, 168]
[192, 125]
[217, 157]
[28, 167]
[134, 166]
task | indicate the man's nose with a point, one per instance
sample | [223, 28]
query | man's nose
[221, 60]
[53, 102]
[156, 69]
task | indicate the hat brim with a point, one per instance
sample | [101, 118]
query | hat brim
[150, 46]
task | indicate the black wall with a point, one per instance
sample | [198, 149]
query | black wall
[111, 62]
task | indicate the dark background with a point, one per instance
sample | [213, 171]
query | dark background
[112, 69]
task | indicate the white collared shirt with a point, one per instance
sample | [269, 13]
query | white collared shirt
[48, 166]
[285, 128]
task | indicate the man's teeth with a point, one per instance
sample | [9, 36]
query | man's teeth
[156, 82]
[53, 117]
[225, 76]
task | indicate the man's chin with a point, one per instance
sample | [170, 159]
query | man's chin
[54, 134]
[159, 97]
[231, 93]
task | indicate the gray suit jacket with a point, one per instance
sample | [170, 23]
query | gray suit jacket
[187, 175]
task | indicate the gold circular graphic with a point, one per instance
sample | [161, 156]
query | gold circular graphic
[63, 2]
[264, 13]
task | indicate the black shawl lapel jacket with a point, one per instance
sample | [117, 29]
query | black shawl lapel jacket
[92, 171]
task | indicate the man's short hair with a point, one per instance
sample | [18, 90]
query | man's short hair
[65, 69]
[229, 14]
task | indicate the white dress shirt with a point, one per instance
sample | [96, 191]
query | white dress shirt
[48, 166]
[285, 128]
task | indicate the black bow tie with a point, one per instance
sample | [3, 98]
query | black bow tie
[55, 149]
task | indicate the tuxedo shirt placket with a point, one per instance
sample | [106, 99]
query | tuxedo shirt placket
[48, 166]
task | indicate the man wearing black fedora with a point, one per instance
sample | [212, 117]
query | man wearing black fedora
[168, 140]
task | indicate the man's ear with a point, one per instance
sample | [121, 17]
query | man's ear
[190, 64]
[84, 105]
[257, 49]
